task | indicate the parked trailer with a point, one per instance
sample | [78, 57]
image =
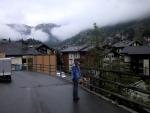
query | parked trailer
[5, 69]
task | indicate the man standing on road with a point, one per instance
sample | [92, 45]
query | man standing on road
[75, 78]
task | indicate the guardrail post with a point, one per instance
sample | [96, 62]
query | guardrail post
[119, 81]
[37, 67]
[49, 69]
[60, 71]
[100, 84]
[40, 67]
[91, 80]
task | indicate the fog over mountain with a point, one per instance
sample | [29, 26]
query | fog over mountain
[40, 32]
[103, 12]
[73, 16]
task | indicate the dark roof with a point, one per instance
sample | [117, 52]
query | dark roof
[124, 43]
[73, 49]
[87, 48]
[137, 50]
[16, 49]
[43, 45]
[107, 51]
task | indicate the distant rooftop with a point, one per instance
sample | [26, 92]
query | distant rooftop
[124, 43]
[73, 48]
[17, 49]
[136, 50]
[87, 48]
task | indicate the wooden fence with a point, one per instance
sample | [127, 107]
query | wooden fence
[45, 63]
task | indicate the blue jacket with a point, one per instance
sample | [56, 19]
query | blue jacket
[75, 72]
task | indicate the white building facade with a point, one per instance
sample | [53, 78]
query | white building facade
[72, 56]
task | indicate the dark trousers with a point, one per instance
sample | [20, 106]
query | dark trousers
[75, 89]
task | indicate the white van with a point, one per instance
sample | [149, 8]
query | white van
[5, 69]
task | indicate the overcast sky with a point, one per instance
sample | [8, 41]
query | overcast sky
[72, 15]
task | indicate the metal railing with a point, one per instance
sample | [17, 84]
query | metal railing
[36, 67]
[119, 86]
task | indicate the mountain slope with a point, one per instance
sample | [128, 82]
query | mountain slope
[134, 30]
[47, 29]
[21, 28]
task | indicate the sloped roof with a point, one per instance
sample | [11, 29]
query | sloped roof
[73, 49]
[87, 48]
[41, 45]
[16, 49]
[137, 50]
[124, 43]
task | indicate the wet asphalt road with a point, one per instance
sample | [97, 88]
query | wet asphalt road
[31, 92]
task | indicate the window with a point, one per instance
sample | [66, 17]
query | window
[76, 55]
[70, 55]
[24, 61]
[48, 51]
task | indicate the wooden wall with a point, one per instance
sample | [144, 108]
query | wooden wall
[45, 63]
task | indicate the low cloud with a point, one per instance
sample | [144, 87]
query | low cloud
[6, 32]
[38, 35]
[103, 12]
[15, 33]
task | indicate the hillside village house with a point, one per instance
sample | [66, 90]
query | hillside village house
[82, 53]
[86, 55]
[111, 56]
[69, 54]
[44, 49]
[21, 53]
[103, 55]
[119, 46]
[139, 59]
[109, 53]
[91, 54]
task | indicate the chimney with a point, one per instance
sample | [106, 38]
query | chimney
[9, 40]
